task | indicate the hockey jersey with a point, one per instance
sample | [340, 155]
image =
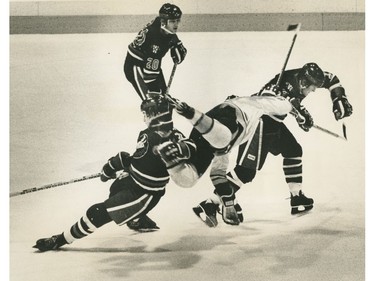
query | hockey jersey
[145, 165]
[247, 111]
[150, 46]
[289, 87]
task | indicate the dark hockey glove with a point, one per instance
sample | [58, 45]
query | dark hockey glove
[303, 117]
[173, 153]
[182, 108]
[178, 52]
[342, 108]
[107, 173]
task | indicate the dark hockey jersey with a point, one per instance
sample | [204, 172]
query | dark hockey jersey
[145, 165]
[289, 86]
[151, 45]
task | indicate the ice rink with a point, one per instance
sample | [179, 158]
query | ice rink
[71, 109]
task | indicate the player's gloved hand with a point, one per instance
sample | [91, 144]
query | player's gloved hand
[342, 108]
[182, 108]
[107, 173]
[173, 153]
[304, 119]
[178, 52]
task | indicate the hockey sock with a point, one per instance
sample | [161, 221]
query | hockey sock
[293, 169]
[294, 188]
[96, 216]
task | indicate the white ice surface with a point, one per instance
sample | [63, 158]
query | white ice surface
[71, 109]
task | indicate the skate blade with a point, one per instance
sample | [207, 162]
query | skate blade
[146, 230]
[300, 210]
[210, 221]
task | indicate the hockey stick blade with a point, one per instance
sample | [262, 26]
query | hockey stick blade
[330, 132]
[344, 131]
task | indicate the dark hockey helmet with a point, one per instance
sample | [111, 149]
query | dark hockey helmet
[157, 114]
[311, 74]
[170, 12]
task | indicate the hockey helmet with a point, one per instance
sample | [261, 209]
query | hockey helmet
[170, 12]
[311, 74]
[157, 114]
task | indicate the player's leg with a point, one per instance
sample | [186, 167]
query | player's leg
[291, 150]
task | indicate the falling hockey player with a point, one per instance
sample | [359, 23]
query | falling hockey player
[143, 61]
[142, 182]
[274, 137]
[217, 132]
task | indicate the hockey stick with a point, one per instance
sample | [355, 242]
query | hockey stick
[296, 28]
[34, 189]
[332, 133]
[171, 79]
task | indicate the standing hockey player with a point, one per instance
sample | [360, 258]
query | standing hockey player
[217, 132]
[139, 187]
[274, 137]
[143, 61]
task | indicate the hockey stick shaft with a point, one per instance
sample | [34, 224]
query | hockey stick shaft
[171, 78]
[298, 27]
[330, 132]
[52, 185]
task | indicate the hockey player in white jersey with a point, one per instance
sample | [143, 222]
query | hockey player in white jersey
[274, 137]
[216, 133]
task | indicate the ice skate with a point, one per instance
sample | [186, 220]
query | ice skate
[206, 211]
[49, 244]
[143, 224]
[300, 203]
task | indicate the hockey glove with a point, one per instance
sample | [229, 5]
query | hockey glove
[303, 117]
[181, 107]
[178, 52]
[107, 173]
[342, 108]
[173, 153]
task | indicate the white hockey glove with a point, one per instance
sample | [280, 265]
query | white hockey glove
[178, 52]
[173, 153]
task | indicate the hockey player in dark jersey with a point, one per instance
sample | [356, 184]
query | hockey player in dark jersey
[140, 179]
[275, 138]
[143, 61]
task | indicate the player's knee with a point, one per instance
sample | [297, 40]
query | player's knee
[98, 215]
